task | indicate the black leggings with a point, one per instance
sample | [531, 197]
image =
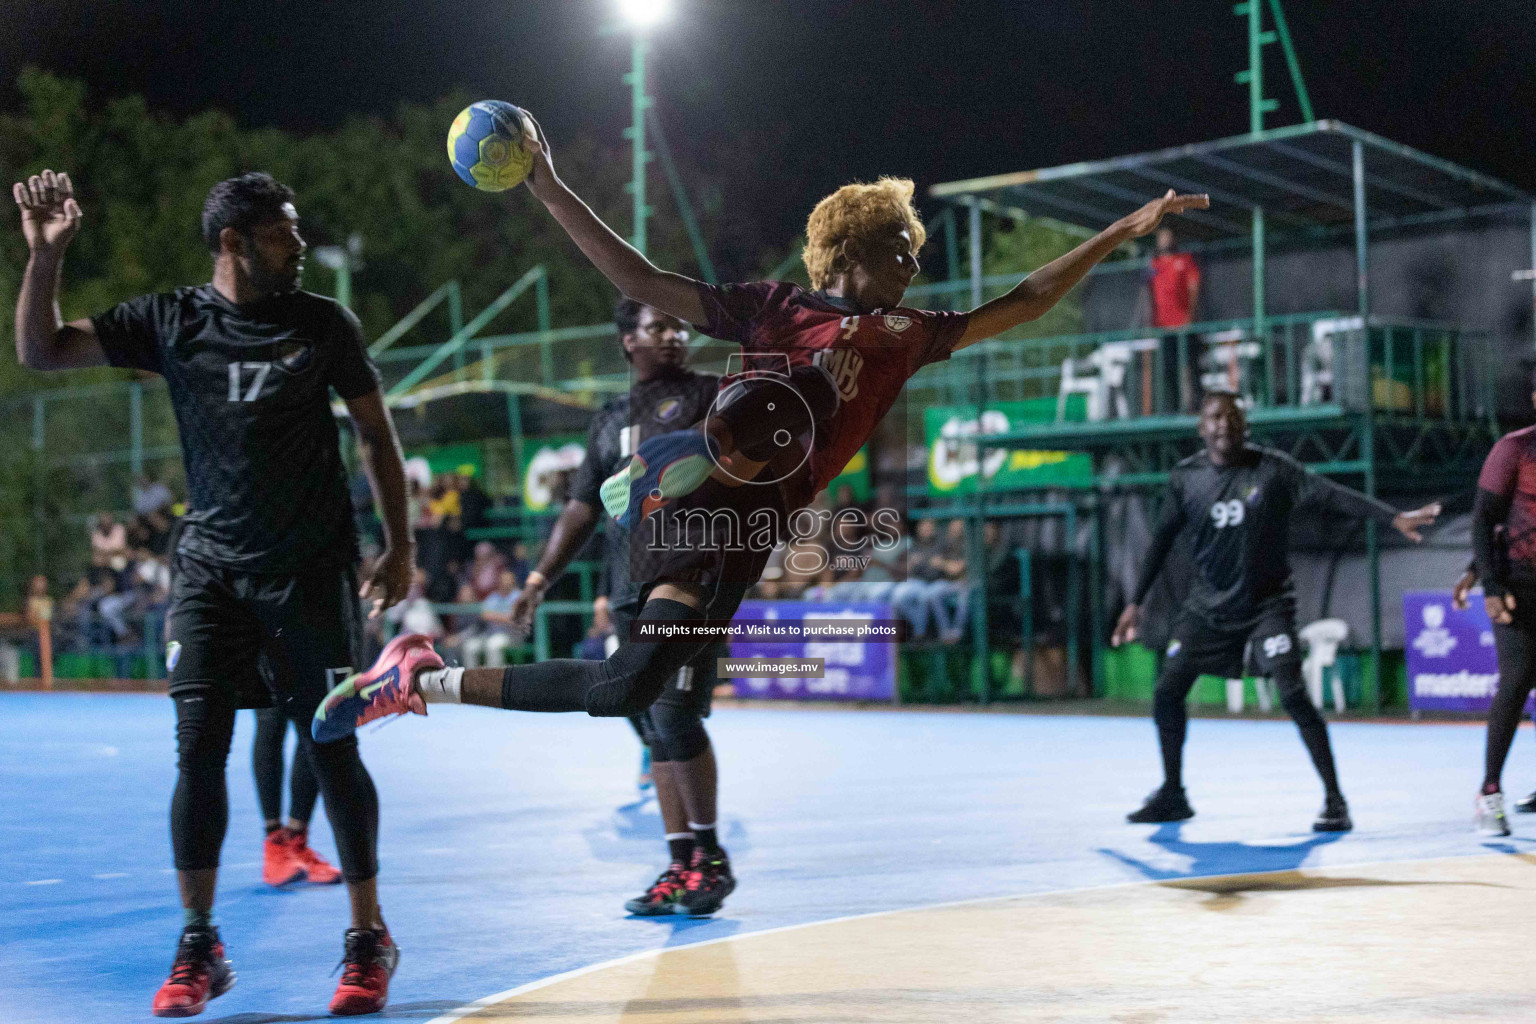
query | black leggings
[267, 764]
[623, 685]
[1171, 714]
[1516, 644]
[205, 724]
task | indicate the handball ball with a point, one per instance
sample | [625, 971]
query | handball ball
[485, 145]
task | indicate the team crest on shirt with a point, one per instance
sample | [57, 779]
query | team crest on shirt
[896, 323]
[1173, 647]
[1252, 495]
[172, 654]
[667, 409]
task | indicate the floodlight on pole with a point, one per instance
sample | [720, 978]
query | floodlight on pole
[642, 14]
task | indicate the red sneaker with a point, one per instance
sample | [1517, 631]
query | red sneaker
[316, 868]
[387, 688]
[368, 963]
[199, 974]
[279, 864]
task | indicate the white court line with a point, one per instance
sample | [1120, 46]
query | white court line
[45, 881]
[111, 874]
[453, 1016]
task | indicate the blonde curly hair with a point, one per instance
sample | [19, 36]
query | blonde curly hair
[854, 213]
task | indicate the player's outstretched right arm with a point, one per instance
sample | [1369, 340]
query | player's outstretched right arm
[620, 262]
[50, 217]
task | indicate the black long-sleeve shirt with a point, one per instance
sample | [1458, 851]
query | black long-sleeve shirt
[1239, 518]
[1506, 497]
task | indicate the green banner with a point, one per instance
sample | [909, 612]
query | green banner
[955, 458]
[454, 458]
[854, 475]
[544, 459]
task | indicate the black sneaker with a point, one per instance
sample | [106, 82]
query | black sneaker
[709, 882]
[199, 974]
[1163, 804]
[1528, 805]
[1334, 817]
[663, 897]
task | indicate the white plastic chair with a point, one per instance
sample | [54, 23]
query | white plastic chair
[1317, 377]
[1101, 377]
[1323, 638]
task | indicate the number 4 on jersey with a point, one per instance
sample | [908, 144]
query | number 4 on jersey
[258, 374]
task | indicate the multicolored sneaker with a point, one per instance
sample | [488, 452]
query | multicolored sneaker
[279, 863]
[316, 868]
[199, 974]
[1526, 804]
[709, 882]
[367, 965]
[662, 897]
[388, 688]
[1488, 815]
[663, 468]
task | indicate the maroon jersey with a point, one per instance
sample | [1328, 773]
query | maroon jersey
[870, 356]
[1509, 472]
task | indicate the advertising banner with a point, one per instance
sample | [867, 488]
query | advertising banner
[1452, 665]
[544, 459]
[853, 669]
[955, 458]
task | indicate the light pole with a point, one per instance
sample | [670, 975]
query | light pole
[640, 16]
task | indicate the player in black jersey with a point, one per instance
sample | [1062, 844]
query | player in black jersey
[1234, 500]
[1460, 592]
[664, 395]
[266, 561]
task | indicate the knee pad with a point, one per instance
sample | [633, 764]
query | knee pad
[765, 413]
[634, 676]
[679, 733]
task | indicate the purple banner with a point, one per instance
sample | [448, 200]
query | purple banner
[1452, 665]
[855, 670]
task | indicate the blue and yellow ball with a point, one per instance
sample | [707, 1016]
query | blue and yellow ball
[485, 145]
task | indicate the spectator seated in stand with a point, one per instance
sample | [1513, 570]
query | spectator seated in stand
[483, 574]
[595, 645]
[485, 646]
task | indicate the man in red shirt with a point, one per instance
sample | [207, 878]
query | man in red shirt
[820, 370]
[1173, 291]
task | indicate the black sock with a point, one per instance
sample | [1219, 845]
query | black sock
[196, 918]
[706, 838]
[273, 828]
[1309, 722]
[680, 847]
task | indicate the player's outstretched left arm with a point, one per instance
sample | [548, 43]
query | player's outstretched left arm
[620, 262]
[379, 447]
[1034, 296]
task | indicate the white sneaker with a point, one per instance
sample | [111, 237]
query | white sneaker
[1488, 815]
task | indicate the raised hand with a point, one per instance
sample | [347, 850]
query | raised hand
[1145, 220]
[49, 214]
[543, 172]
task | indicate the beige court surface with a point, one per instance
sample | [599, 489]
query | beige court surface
[1429, 941]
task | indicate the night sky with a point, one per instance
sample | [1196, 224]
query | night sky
[785, 100]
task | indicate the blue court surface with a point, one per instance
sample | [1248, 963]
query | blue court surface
[510, 842]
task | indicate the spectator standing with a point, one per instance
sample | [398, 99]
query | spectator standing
[109, 543]
[1173, 292]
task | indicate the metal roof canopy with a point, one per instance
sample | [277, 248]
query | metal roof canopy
[1303, 178]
